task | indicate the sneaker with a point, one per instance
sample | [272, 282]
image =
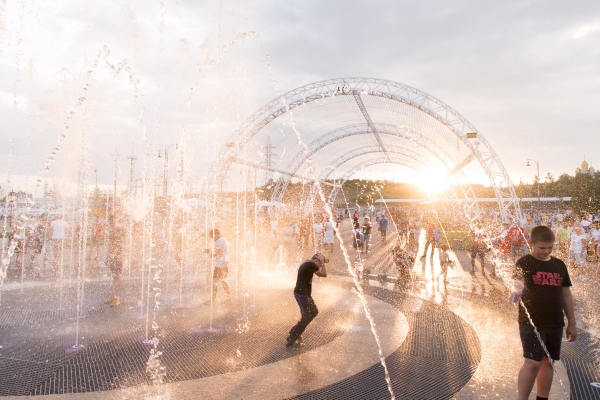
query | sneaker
[115, 302]
[292, 342]
[109, 301]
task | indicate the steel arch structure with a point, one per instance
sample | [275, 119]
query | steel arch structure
[470, 209]
[337, 113]
[348, 131]
[420, 141]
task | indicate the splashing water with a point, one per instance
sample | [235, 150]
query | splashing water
[328, 210]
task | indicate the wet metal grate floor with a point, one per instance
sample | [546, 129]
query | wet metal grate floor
[41, 361]
[582, 361]
[438, 357]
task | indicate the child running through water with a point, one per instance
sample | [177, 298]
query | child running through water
[542, 285]
[444, 262]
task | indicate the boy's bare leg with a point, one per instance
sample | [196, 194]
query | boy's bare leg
[544, 378]
[526, 377]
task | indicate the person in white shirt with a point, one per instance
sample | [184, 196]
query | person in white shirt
[220, 254]
[328, 239]
[274, 225]
[60, 227]
[596, 231]
[577, 250]
[318, 235]
[596, 240]
[585, 224]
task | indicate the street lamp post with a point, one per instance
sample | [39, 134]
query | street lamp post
[166, 169]
[537, 164]
[12, 198]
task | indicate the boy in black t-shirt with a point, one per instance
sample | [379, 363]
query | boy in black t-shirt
[542, 284]
[302, 293]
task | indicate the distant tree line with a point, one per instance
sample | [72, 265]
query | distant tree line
[584, 188]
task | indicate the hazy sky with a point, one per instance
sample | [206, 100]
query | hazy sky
[525, 73]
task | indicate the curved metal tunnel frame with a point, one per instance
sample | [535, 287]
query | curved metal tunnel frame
[463, 130]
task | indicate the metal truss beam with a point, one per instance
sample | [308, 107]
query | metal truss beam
[461, 164]
[413, 138]
[271, 169]
[367, 117]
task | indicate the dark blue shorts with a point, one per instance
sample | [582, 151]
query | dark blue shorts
[532, 349]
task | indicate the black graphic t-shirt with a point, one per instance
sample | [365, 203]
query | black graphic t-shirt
[542, 294]
[304, 280]
[366, 228]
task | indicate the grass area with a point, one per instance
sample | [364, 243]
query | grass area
[456, 235]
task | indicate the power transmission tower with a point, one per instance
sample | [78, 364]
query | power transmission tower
[269, 155]
[131, 159]
[116, 156]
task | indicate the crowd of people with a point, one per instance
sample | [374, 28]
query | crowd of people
[541, 240]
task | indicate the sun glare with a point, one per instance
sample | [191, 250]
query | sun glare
[432, 182]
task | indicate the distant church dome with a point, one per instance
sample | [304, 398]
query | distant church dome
[585, 168]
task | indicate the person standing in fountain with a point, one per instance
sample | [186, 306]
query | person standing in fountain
[303, 295]
[563, 236]
[477, 248]
[542, 284]
[317, 234]
[221, 264]
[328, 238]
[60, 227]
[432, 237]
[114, 260]
[366, 231]
[96, 241]
[383, 225]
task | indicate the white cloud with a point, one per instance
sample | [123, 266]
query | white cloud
[586, 30]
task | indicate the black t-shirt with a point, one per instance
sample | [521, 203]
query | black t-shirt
[542, 294]
[366, 228]
[305, 275]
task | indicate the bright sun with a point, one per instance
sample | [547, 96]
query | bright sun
[432, 182]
